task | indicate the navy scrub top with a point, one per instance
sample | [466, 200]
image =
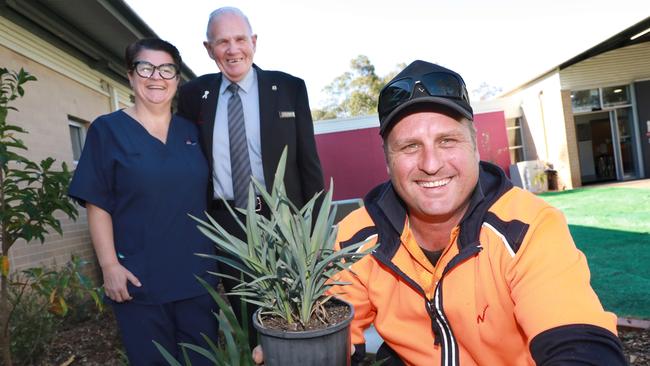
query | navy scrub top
[149, 188]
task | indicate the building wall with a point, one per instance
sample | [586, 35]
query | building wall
[572, 146]
[65, 87]
[353, 159]
[547, 112]
[546, 132]
[642, 94]
[622, 66]
[492, 138]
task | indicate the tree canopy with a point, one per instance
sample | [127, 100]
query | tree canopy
[486, 91]
[355, 92]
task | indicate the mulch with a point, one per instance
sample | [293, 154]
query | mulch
[96, 342]
[636, 344]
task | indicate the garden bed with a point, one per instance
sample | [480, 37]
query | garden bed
[96, 342]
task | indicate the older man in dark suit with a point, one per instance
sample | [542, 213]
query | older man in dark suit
[246, 117]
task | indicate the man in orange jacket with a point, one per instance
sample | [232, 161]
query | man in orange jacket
[469, 270]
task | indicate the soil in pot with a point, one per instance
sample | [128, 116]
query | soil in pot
[336, 312]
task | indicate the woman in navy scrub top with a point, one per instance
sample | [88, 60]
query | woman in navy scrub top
[140, 174]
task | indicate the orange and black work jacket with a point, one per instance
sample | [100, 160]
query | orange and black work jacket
[511, 288]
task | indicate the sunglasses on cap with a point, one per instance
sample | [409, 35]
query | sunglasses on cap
[436, 84]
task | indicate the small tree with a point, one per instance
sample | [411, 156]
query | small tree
[30, 194]
[355, 92]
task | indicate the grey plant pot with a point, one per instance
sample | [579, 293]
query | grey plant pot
[329, 346]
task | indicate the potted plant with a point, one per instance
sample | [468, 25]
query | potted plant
[289, 260]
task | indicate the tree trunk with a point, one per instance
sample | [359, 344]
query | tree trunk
[5, 337]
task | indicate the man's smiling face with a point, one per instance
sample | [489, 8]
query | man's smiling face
[433, 164]
[231, 45]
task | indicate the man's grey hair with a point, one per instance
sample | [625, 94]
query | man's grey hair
[472, 130]
[227, 10]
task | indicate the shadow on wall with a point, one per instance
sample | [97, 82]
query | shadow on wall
[529, 142]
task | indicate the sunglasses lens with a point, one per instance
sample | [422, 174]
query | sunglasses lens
[442, 84]
[393, 95]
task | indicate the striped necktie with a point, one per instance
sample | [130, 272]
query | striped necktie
[240, 164]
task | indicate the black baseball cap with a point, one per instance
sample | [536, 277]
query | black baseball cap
[422, 83]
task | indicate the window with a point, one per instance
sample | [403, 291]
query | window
[585, 100]
[515, 140]
[616, 95]
[596, 99]
[78, 129]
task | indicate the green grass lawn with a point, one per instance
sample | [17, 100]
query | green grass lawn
[612, 227]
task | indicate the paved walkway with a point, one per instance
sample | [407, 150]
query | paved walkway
[638, 183]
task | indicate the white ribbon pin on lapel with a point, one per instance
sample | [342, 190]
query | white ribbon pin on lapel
[205, 94]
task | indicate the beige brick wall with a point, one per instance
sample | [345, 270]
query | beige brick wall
[44, 112]
[572, 145]
[549, 132]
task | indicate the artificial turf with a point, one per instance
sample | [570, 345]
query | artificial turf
[612, 227]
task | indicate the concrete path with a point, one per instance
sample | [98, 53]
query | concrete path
[638, 183]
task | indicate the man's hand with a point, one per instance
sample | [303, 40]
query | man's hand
[115, 279]
[258, 355]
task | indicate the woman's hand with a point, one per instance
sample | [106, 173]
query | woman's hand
[115, 280]
[115, 275]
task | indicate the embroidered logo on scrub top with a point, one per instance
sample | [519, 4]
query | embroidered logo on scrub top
[190, 142]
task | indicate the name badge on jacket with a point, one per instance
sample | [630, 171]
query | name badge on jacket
[287, 114]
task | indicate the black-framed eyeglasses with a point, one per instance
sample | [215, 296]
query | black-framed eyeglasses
[436, 84]
[146, 69]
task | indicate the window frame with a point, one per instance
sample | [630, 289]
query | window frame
[82, 127]
[513, 148]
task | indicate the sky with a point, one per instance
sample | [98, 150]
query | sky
[500, 42]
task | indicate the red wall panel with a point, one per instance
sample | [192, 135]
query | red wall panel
[354, 159]
[492, 138]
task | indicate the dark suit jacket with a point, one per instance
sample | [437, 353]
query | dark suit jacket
[279, 92]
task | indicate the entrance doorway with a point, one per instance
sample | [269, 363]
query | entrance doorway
[606, 145]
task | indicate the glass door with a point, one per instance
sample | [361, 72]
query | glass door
[606, 134]
[595, 147]
[627, 166]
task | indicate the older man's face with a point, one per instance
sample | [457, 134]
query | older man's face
[231, 45]
[433, 163]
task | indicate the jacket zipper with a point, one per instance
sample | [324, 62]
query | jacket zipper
[442, 332]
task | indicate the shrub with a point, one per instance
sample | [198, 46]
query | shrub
[30, 194]
[45, 300]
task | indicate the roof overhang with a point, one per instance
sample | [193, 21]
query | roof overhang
[94, 31]
[638, 33]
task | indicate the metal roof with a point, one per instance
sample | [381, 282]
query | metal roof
[94, 31]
